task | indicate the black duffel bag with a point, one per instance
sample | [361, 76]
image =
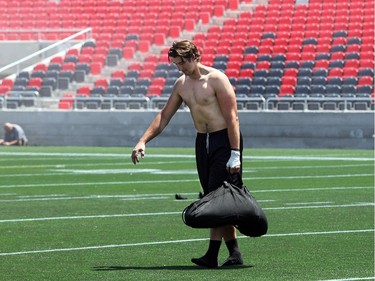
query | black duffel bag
[227, 205]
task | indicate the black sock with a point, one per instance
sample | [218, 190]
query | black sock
[209, 260]
[213, 249]
[233, 248]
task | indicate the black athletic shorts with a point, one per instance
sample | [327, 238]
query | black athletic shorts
[212, 152]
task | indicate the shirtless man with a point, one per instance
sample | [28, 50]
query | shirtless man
[212, 103]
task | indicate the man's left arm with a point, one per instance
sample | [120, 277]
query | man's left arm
[228, 104]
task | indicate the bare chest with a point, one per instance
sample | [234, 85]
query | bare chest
[197, 93]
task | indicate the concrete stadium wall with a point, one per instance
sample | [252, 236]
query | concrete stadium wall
[351, 130]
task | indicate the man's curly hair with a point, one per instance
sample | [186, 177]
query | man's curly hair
[184, 49]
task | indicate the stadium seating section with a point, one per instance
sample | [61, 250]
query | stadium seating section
[278, 54]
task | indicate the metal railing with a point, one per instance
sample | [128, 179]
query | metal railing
[319, 103]
[57, 46]
[32, 101]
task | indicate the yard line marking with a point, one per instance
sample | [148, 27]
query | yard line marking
[44, 197]
[317, 233]
[179, 213]
[321, 206]
[311, 158]
[66, 197]
[301, 157]
[351, 279]
[312, 189]
[91, 217]
[311, 177]
[145, 198]
[311, 167]
[307, 203]
[8, 194]
[121, 197]
[179, 181]
[97, 183]
[177, 241]
[119, 163]
[255, 169]
[155, 172]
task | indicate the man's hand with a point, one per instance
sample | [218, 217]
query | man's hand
[139, 149]
[234, 163]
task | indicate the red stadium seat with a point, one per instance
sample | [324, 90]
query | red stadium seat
[350, 72]
[335, 72]
[338, 56]
[119, 73]
[352, 63]
[293, 56]
[288, 80]
[189, 24]
[174, 31]
[159, 39]
[291, 72]
[146, 73]
[128, 52]
[40, 66]
[159, 81]
[232, 73]
[286, 89]
[4, 89]
[65, 105]
[236, 65]
[307, 56]
[84, 58]
[246, 73]
[57, 60]
[35, 82]
[154, 90]
[84, 90]
[68, 66]
[7, 82]
[323, 48]
[366, 80]
[101, 82]
[96, 68]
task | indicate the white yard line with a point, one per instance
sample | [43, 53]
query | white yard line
[8, 194]
[125, 196]
[179, 181]
[351, 279]
[309, 203]
[365, 204]
[66, 197]
[126, 156]
[178, 241]
[63, 166]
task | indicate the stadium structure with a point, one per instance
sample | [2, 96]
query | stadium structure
[302, 70]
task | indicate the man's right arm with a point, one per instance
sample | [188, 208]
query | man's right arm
[157, 126]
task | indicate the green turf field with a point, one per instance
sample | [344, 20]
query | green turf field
[84, 213]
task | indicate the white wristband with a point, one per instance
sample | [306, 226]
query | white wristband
[234, 160]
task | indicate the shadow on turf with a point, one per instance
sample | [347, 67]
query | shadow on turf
[186, 267]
